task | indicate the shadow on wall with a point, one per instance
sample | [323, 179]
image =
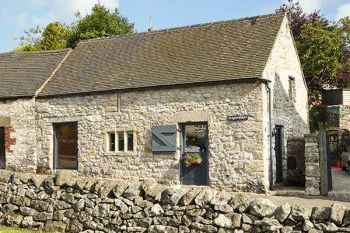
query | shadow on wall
[295, 127]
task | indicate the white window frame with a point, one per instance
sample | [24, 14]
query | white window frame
[116, 143]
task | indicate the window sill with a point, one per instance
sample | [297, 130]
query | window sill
[121, 153]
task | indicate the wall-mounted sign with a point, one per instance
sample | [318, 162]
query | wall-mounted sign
[238, 118]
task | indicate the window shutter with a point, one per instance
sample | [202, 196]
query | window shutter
[164, 138]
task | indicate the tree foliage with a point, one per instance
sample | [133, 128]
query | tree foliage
[323, 49]
[53, 36]
[30, 39]
[100, 23]
[321, 55]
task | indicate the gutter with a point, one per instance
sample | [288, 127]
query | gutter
[268, 90]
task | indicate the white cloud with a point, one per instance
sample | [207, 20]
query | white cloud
[59, 10]
[343, 11]
[310, 6]
[65, 9]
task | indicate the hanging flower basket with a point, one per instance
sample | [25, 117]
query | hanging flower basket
[193, 159]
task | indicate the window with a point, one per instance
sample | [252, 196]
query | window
[111, 141]
[292, 91]
[121, 141]
[130, 140]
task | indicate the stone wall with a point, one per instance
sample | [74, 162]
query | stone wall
[236, 159]
[312, 165]
[295, 162]
[67, 204]
[18, 119]
[290, 113]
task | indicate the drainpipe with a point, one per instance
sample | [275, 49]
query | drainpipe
[268, 90]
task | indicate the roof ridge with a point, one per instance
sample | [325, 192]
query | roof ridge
[192, 26]
[37, 52]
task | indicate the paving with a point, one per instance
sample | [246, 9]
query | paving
[296, 195]
[341, 185]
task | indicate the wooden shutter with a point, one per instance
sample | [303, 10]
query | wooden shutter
[164, 139]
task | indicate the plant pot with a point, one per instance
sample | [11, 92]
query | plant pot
[193, 159]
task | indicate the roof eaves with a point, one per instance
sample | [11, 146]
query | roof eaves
[4, 98]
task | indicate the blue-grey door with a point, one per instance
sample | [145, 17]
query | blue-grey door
[2, 148]
[194, 154]
[278, 154]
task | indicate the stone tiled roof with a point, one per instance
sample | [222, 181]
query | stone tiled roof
[227, 50]
[23, 73]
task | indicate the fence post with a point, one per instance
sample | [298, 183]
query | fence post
[323, 160]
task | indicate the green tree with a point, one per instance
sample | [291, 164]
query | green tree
[30, 40]
[100, 23]
[53, 36]
[323, 48]
[321, 54]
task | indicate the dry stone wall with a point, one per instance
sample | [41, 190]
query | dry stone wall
[67, 204]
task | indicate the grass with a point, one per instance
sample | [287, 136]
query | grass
[14, 230]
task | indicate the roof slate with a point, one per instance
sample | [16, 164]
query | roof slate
[23, 73]
[227, 50]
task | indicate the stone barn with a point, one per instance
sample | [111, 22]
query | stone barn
[210, 104]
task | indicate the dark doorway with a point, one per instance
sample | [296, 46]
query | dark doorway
[194, 154]
[331, 157]
[278, 154]
[2, 148]
[66, 146]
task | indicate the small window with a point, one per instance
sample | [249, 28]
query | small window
[130, 140]
[120, 141]
[111, 141]
[121, 144]
[292, 91]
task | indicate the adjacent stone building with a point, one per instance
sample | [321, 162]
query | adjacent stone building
[193, 105]
[21, 76]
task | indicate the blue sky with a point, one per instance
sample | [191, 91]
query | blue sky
[18, 15]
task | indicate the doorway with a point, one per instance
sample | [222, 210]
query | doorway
[2, 148]
[66, 146]
[194, 168]
[278, 153]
